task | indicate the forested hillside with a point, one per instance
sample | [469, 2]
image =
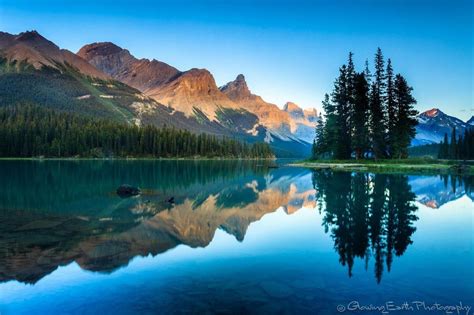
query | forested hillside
[29, 131]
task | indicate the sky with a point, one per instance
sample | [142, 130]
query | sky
[287, 50]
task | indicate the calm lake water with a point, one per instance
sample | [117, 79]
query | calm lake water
[239, 238]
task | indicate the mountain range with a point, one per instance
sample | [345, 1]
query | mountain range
[433, 124]
[107, 81]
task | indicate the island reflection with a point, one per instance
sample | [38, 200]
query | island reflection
[56, 212]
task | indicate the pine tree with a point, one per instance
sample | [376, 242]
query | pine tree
[368, 113]
[360, 141]
[340, 99]
[377, 107]
[391, 110]
[452, 146]
[404, 129]
[367, 73]
[326, 130]
[444, 148]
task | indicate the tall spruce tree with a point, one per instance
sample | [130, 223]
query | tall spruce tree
[377, 108]
[367, 73]
[360, 137]
[350, 99]
[340, 99]
[368, 113]
[391, 110]
[404, 129]
[444, 148]
[452, 146]
[326, 131]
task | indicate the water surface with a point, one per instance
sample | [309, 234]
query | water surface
[239, 237]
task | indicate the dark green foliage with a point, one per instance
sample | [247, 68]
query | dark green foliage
[360, 141]
[453, 147]
[391, 111]
[367, 116]
[327, 131]
[28, 131]
[378, 108]
[404, 121]
[459, 148]
[343, 100]
[443, 152]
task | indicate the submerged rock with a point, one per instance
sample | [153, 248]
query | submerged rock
[127, 191]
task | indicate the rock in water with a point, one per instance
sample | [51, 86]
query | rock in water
[127, 191]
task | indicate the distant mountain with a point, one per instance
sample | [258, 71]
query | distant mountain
[187, 92]
[433, 124]
[303, 122]
[195, 94]
[291, 122]
[470, 122]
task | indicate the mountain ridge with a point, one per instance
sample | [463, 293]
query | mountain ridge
[41, 52]
[34, 70]
[433, 124]
[142, 74]
[196, 90]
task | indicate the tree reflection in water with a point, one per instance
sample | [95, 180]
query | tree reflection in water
[367, 215]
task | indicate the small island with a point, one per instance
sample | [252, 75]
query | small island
[369, 124]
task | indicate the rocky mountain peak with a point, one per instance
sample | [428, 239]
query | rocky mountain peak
[240, 78]
[34, 39]
[433, 124]
[432, 112]
[310, 112]
[294, 111]
[99, 49]
[292, 107]
[199, 77]
[29, 35]
[117, 62]
[237, 89]
[34, 49]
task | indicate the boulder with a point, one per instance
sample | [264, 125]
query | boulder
[125, 191]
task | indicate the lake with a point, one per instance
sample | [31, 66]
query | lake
[236, 237]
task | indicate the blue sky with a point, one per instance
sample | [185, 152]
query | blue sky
[288, 50]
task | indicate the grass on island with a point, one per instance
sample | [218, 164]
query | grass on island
[410, 166]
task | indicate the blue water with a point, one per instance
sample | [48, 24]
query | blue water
[239, 238]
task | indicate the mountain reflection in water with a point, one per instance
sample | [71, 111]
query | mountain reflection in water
[55, 212]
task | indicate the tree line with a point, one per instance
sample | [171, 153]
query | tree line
[459, 148]
[29, 131]
[367, 115]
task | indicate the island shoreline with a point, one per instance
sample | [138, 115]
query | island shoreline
[415, 167]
